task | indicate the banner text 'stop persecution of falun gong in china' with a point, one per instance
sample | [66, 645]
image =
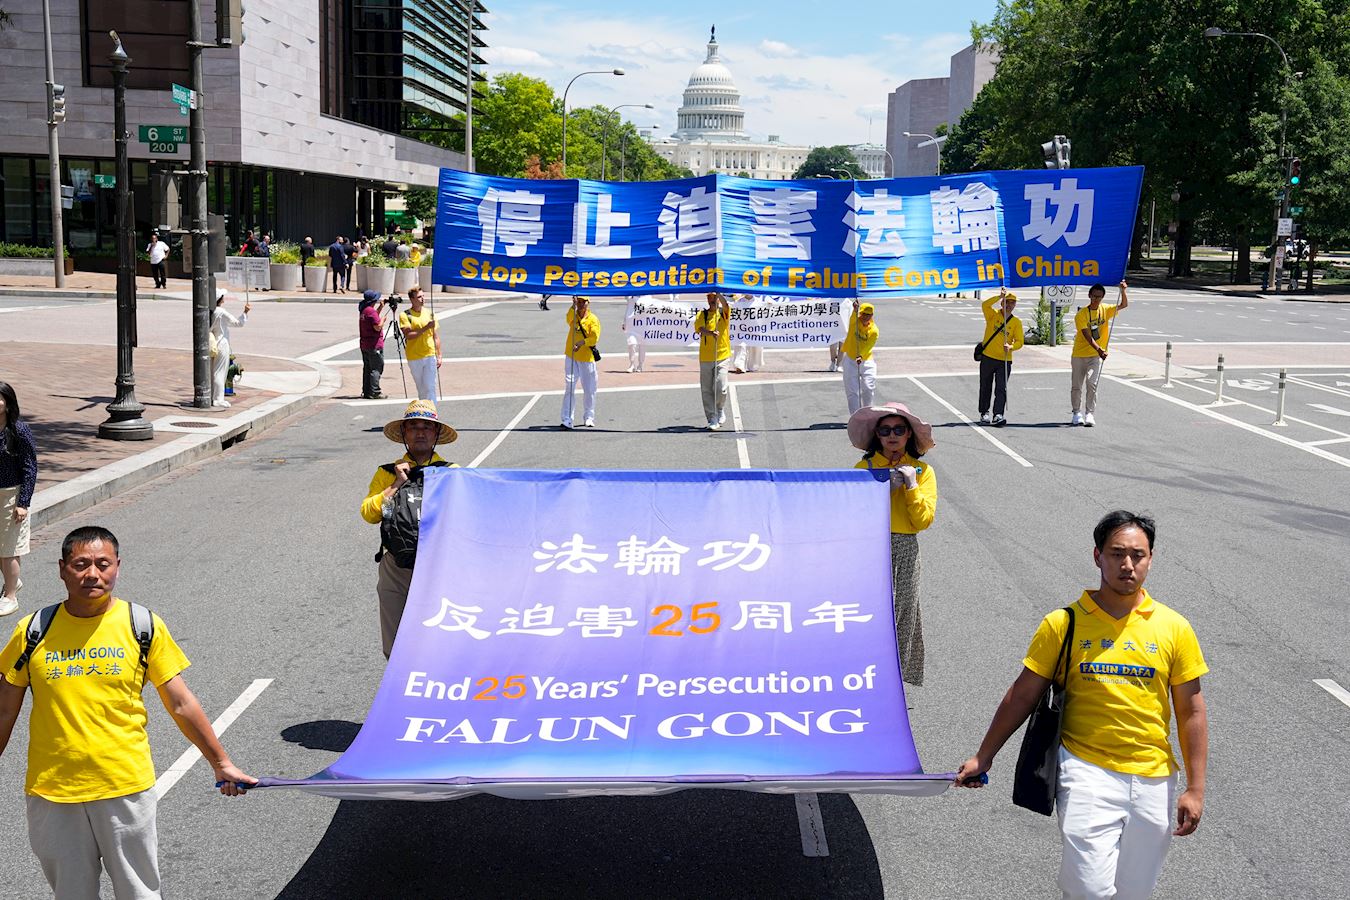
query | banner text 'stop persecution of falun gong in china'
[812, 238]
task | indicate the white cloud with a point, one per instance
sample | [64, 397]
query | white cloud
[817, 98]
[779, 50]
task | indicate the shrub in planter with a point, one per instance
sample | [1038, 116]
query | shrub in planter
[285, 266]
[405, 276]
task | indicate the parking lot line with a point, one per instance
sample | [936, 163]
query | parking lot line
[192, 754]
[1254, 429]
[980, 430]
[501, 435]
[1333, 689]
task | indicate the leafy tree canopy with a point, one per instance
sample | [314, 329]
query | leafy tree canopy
[830, 162]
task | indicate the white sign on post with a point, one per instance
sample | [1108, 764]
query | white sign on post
[1060, 293]
[1285, 228]
[252, 273]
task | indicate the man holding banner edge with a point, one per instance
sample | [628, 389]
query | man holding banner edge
[1091, 337]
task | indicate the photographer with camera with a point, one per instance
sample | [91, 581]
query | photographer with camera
[422, 344]
[370, 328]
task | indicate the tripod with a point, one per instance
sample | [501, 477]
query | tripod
[392, 328]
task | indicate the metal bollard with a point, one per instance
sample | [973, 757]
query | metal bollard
[1279, 408]
[1218, 390]
[1167, 367]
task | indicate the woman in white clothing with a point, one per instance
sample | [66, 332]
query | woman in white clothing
[637, 348]
[222, 320]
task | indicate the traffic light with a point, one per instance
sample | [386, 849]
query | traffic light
[56, 103]
[1295, 165]
[1056, 152]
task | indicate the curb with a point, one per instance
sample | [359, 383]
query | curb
[351, 298]
[80, 493]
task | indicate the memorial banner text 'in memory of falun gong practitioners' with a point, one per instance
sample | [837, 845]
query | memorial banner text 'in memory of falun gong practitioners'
[814, 238]
[640, 632]
[786, 323]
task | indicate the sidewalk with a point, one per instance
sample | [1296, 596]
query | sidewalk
[103, 286]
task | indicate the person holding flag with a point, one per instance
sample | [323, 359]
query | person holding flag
[860, 370]
[1091, 335]
[1003, 336]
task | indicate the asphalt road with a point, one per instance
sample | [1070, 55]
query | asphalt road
[262, 568]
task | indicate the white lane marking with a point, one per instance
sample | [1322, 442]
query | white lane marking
[1333, 689]
[812, 825]
[501, 435]
[1263, 409]
[10, 309]
[1321, 387]
[980, 430]
[328, 353]
[1339, 440]
[192, 754]
[742, 449]
[1254, 429]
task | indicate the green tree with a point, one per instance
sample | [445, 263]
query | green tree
[825, 160]
[420, 203]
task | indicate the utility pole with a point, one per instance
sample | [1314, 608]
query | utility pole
[56, 114]
[201, 283]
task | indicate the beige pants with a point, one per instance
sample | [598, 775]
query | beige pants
[71, 838]
[392, 589]
[712, 379]
[1085, 369]
[14, 536]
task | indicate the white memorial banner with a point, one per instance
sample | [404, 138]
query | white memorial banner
[785, 323]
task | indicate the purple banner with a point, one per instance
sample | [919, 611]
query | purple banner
[575, 632]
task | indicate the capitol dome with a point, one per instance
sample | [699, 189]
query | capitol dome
[712, 103]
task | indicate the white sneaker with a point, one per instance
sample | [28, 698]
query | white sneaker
[722, 417]
[590, 423]
[631, 370]
[8, 605]
[834, 367]
[1089, 421]
[984, 419]
[714, 425]
[1077, 418]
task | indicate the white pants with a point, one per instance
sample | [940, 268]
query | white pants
[572, 371]
[1115, 829]
[860, 383]
[748, 358]
[220, 366]
[423, 372]
[70, 839]
[637, 353]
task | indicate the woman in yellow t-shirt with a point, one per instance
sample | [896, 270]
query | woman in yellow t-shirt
[893, 441]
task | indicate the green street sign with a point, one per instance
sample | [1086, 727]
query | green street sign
[186, 98]
[164, 134]
[1296, 210]
[163, 147]
[106, 181]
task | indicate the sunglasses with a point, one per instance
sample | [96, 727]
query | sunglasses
[889, 430]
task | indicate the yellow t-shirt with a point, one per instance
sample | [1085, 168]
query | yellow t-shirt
[993, 317]
[588, 332]
[713, 349]
[1086, 318]
[86, 733]
[860, 341]
[372, 508]
[424, 344]
[1119, 709]
[911, 510]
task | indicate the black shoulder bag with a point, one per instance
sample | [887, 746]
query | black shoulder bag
[979, 348]
[1037, 773]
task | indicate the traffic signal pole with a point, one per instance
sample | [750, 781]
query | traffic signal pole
[54, 117]
[201, 275]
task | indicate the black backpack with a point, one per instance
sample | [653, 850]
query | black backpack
[142, 626]
[401, 518]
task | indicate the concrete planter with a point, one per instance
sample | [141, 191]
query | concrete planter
[359, 276]
[314, 277]
[404, 280]
[424, 278]
[36, 266]
[380, 280]
[285, 276]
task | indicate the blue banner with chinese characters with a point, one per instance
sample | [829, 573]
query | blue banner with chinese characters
[814, 238]
[640, 632]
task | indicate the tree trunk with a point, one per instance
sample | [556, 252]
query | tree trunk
[1312, 257]
[1136, 262]
[1181, 260]
[1242, 241]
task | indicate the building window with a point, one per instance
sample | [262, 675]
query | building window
[154, 33]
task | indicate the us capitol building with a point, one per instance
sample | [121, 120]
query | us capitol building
[711, 134]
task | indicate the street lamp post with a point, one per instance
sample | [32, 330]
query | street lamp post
[931, 141]
[891, 158]
[564, 115]
[845, 174]
[1282, 207]
[604, 135]
[124, 421]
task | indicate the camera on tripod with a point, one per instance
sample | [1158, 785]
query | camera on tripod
[393, 300]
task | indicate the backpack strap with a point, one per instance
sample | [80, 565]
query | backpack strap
[38, 626]
[143, 628]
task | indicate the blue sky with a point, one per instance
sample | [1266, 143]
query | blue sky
[804, 74]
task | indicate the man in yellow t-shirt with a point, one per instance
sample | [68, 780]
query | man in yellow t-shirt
[1091, 335]
[422, 343]
[860, 370]
[1130, 662]
[579, 356]
[713, 327]
[90, 776]
[1003, 336]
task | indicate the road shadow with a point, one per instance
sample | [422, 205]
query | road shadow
[697, 843]
[335, 735]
